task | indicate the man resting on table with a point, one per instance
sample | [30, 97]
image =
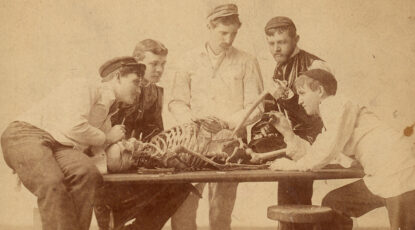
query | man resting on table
[45, 146]
[352, 130]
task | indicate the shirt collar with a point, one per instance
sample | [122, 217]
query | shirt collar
[203, 50]
[107, 96]
[326, 106]
[296, 51]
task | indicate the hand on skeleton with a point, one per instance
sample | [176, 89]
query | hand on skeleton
[213, 124]
[281, 123]
[256, 158]
[116, 133]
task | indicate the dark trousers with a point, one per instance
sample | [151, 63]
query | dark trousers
[62, 179]
[149, 205]
[295, 191]
[355, 199]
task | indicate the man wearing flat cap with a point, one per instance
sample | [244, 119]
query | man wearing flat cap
[150, 206]
[45, 145]
[282, 39]
[215, 84]
[143, 119]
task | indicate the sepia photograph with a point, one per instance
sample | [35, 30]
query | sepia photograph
[207, 114]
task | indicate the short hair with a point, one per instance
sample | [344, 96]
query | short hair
[149, 45]
[226, 20]
[292, 31]
[314, 85]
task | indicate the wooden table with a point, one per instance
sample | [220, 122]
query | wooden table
[262, 175]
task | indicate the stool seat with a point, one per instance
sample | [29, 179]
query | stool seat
[300, 213]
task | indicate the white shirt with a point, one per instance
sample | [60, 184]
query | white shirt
[386, 156]
[76, 113]
[225, 91]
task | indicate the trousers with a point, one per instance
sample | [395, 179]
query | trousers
[294, 191]
[222, 198]
[355, 200]
[63, 179]
[150, 206]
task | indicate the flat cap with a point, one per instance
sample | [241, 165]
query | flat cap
[222, 11]
[127, 62]
[326, 79]
[278, 22]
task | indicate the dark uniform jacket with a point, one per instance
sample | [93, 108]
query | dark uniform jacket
[144, 117]
[305, 126]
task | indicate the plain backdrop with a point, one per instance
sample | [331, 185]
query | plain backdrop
[370, 46]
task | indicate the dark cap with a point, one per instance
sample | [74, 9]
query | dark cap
[128, 63]
[326, 79]
[279, 21]
[222, 11]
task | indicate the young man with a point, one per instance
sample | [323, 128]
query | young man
[45, 146]
[282, 39]
[351, 129]
[149, 205]
[216, 83]
[144, 116]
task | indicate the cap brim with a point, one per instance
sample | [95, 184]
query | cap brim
[138, 67]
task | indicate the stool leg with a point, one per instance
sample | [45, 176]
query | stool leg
[112, 221]
[285, 225]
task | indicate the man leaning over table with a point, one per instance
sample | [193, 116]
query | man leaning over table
[150, 206]
[143, 118]
[45, 146]
[215, 84]
[388, 159]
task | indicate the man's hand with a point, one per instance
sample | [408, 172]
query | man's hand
[281, 123]
[256, 158]
[283, 164]
[116, 133]
[213, 124]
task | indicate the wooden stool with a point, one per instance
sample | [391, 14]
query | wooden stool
[297, 214]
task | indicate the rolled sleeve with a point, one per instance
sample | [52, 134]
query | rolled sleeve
[330, 144]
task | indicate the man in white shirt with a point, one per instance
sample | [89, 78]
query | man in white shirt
[45, 146]
[282, 39]
[351, 130]
[215, 83]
